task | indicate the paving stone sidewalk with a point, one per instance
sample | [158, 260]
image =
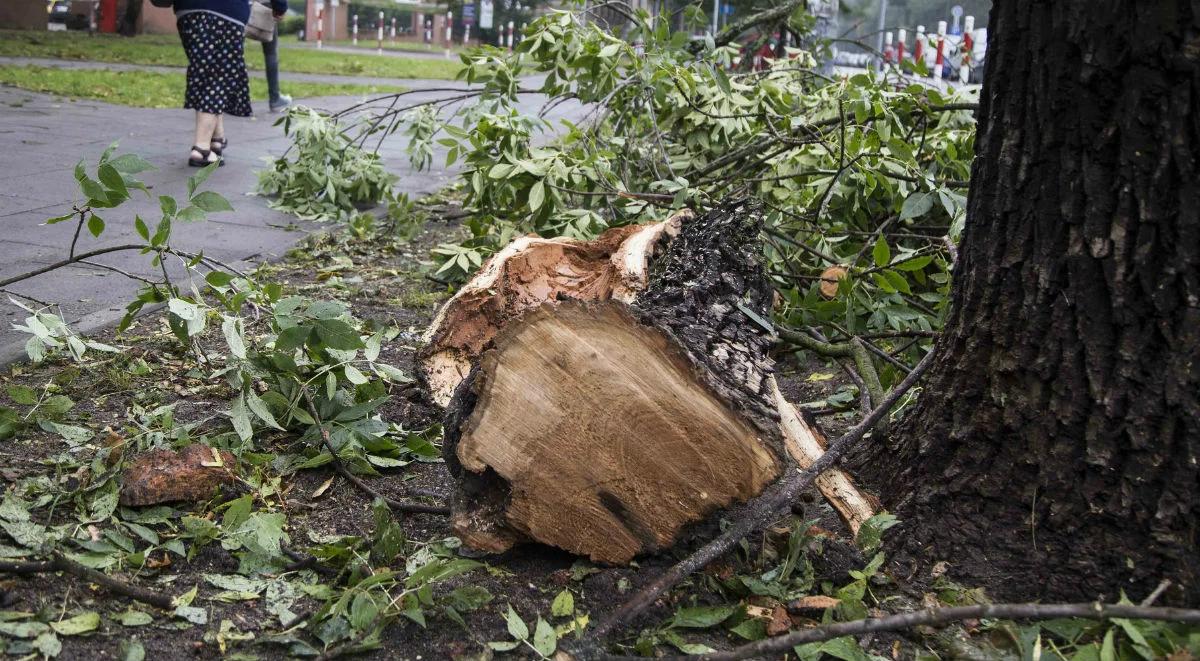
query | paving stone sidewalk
[43, 137]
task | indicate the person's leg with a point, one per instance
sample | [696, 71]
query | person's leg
[271, 56]
[218, 134]
[206, 125]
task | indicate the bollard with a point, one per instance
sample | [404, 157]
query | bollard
[510, 35]
[919, 46]
[968, 48]
[393, 30]
[466, 35]
[354, 30]
[429, 33]
[320, 25]
[449, 31]
[900, 46]
[521, 33]
[889, 53]
[939, 63]
[379, 31]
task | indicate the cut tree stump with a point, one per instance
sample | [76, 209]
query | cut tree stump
[193, 473]
[601, 401]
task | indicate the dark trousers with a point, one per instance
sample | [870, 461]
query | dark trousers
[271, 55]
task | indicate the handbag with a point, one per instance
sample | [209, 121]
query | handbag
[261, 26]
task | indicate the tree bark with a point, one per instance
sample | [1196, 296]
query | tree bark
[1054, 451]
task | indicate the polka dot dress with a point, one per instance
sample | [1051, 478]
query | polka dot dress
[216, 73]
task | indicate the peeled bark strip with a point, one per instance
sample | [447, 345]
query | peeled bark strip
[807, 443]
[605, 428]
[527, 273]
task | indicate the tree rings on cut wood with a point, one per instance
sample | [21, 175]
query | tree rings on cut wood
[605, 440]
[194, 473]
[525, 274]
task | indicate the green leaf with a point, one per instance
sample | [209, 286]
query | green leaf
[293, 338]
[563, 605]
[48, 644]
[200, 177]
[130, 164]
[544, 638]
[58, 219]
[537, 195]
[113, 180]
[140, 226]
[881, 252]
[134, 618]
[916, 205]
[702, 617]
[211, 202]
[260, 409]
[218, 278]
[469, 597]
[73, 626]
[337, 334]
[95, 225]
[516, 626]
[240, 416]
[231, 328]
[353, 375]
[132, 650]
[23, 395]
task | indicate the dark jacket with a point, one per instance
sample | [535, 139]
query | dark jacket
[237, 10]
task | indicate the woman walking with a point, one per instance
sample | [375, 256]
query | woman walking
[213, 33]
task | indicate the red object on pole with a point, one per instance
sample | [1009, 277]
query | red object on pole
[900, 47]
[108, 16]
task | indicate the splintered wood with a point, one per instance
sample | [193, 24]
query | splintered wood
[595, 470]
[528, 272]
[602, 396]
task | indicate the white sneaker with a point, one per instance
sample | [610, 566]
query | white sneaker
[282, 103]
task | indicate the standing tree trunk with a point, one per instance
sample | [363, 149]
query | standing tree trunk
[1054, 451]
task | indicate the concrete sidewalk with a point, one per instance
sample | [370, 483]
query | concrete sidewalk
[41, 140]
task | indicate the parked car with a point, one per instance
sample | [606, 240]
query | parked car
[71, 14]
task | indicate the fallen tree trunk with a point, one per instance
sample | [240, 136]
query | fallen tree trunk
[606, 427]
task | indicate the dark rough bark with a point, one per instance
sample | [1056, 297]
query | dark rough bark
[699, 292]
[1054, 451]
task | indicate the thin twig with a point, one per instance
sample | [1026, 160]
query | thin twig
[936, 616]
[59, 562]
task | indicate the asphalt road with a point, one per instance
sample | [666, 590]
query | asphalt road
[41, 140]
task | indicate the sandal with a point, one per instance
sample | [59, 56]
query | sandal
[203, 160]
[218, 145]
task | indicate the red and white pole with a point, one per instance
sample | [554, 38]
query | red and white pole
[510, 35]
[900, 46]
[379, 31]
[393, 29]
[320, 25]
[939, 64]
[968, 49]
[354, 29]
[521, 33]
[889, 52]
[919, 46]
[449, 31]
[466, 34]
